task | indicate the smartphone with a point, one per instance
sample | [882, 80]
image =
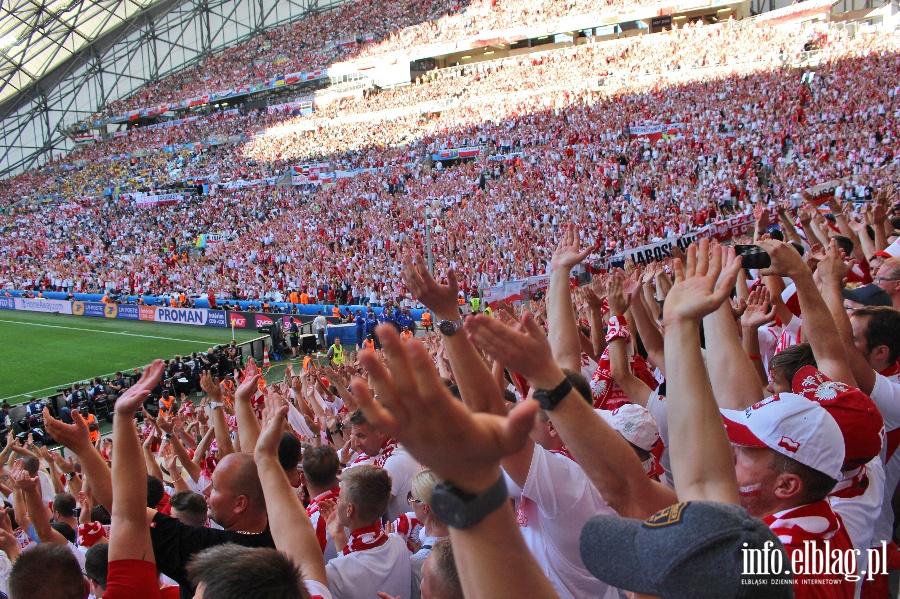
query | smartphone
[753, 256]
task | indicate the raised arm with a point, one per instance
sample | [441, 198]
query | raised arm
[561, 324]
[217, 413]
[77, 439]
[818, 324]
[607, 458]
[832, 271]
[477, 386]
[618, 339]
[702, 458]
[130, 536]
[291, 528]
[247, 423]
[38, 512]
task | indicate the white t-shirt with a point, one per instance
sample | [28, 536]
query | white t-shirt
[886, 395]
[656, 405]
[860, 513]
[402, 467]
[557, 501]
[361, 574]
[47, 492]
[317, 590]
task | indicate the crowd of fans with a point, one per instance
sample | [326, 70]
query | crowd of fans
[652, 425]
[750, 134]
[359, 28]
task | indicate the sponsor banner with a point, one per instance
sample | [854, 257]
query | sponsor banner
[147, 313]
[215, 318]
[236, 320]
[7, 303]
[125, 312]
[97, 309]
[192, 316]
[43, 305]
[263, 320]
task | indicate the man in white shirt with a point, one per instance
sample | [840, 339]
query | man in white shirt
[319, 326]
[370, 560]
[376, 448]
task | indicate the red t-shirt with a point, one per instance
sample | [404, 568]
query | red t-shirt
[131, 579]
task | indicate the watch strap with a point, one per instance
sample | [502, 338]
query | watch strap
[550, 398]
[461, 510]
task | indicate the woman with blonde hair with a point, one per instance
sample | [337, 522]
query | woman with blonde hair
[419, 498]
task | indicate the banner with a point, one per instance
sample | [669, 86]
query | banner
[164, 199]
[660, 250]
[89, 309]
[655, 131]
[42, 305]
[191, 316]
[205, 239]
[303, 107]
[7, 303]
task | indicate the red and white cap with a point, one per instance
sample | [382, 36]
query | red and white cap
[862, 424]
[793, 426]
[635, 423]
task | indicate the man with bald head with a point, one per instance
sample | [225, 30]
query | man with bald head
[888, 278]
[235, 502]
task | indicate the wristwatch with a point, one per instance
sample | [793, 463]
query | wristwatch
[550, 398]
[215, 404]
[459, 509]
[449, 327]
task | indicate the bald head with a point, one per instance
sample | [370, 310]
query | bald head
[238, 475]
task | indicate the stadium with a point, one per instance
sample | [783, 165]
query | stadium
[313, 268]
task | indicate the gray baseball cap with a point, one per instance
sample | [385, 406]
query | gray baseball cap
[693, 549]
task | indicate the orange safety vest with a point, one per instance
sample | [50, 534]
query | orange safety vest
[306, 362]
[166, 405]
[369, 344]
[336, 312]
[228, 385]
[426, 319]
[94, 435]
[406, 335]
[304, 298]
[295, 299]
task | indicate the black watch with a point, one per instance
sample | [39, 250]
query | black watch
[550, 398]
[459, 509]
[449, 327]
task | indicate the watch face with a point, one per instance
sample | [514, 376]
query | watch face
[447, 327]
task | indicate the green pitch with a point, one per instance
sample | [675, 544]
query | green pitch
[44, 351]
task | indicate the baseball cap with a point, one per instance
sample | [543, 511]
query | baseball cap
[861, 423]
[692, 549]
[868, 295]
[793, 426]
[633, 422]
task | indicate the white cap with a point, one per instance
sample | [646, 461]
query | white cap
[633, 422]
[793, 426]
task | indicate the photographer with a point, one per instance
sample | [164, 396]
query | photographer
[74, 401]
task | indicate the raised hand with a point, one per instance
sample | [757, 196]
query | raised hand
[248, 387]
[441, 299]
[210, 386]
[759, 310]
[832, 268]
[699, 289]
[619, 298]
[521, 347]
[25, 482]
[74, 437]
[786, 261]
[569, 253]
[414, 407]
[132, 400]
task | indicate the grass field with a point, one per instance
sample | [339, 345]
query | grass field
[44, 351]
